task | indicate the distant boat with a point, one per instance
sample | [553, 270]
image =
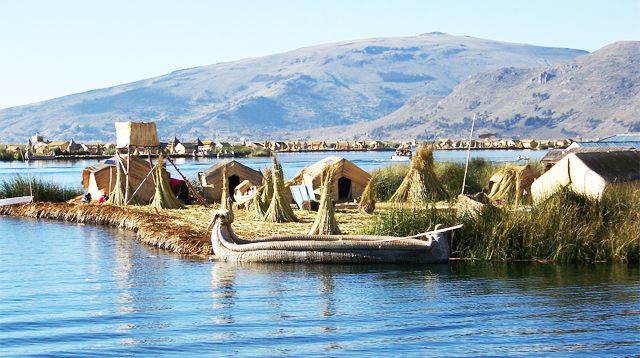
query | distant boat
[402, 155]
[30, 156]
[520, 157]
[226, 155]
[16, 200]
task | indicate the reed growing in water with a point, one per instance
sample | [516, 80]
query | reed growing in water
[567, 227]
[19, 185]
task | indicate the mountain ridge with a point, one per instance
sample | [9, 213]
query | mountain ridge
[337, 84]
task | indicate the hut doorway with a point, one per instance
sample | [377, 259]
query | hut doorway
[234, 180]
[344, 188]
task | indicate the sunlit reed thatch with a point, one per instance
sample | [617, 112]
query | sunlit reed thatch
[279, 209]
[368, 199]
[325, 223]
[164, 197]
[262, 199]
[420, 185]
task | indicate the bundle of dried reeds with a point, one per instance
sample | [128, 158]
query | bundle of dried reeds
[118, 194]
[508, 186]
[261, 200]
[279, 209]
[325, 223]
[420, 185]
[225, 199]
[164, 197]
[368, 201]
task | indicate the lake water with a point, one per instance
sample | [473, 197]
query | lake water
[70, 290]
[69, 173]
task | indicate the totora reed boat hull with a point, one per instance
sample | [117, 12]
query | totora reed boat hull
[326, 248]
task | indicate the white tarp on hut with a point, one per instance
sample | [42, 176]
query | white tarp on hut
[350, 180]
[588, 173]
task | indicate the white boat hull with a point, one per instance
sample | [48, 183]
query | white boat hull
[16, 200]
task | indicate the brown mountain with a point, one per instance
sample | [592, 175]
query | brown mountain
[592, 96]
[338, 84]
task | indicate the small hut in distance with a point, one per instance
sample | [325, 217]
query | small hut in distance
[211, 179]
[350, 180]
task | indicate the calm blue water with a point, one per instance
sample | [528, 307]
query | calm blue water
[69, 173]
[69, 290]
[82, 290]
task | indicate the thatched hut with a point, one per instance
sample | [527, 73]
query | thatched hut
[211, 179]
[100, 179]
[512, 181]
[350, 180]
[589, 173]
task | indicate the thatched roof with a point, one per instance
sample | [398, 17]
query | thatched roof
[588, 173]
[212, 178]
[213, 174]
[312, 175]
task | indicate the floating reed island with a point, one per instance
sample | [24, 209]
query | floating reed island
[180, 231]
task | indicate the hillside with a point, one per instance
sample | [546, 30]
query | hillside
[351, 82]
[592, 96]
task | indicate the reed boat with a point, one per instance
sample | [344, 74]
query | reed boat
[327, 248]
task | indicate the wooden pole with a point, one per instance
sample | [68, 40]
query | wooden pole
[466, 167]
[126, 189]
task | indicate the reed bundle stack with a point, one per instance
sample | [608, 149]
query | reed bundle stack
[279, 209]
[512, 182]
[325, 223]
[420, 185]
[164, 197]
[262, 199]
[225, 199]
[368, 200]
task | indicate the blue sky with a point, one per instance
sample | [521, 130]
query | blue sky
[52, 48]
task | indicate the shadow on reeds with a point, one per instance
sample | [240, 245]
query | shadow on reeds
[42, 191]
[567, 227]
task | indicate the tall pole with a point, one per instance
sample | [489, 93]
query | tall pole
[466, 167]
[126, 190]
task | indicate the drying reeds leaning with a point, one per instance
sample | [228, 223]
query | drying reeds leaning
[368, 200]
[261, 200]
[420, 185]
[325, 223]
[118, 194]
[279, 209]
[164, 197]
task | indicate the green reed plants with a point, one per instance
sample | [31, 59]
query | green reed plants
[567, 227]
[388, 180]
[19, 185]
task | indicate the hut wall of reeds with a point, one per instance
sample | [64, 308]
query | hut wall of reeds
[521, 175]
[211, 179]
[138, 134]
[589, 173]
[100, 179]
[350, 180]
